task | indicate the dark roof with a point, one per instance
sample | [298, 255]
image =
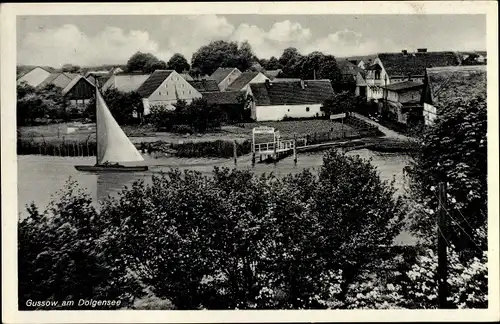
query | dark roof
[459, 81]
[397, 64]
[405, 85]
[220, 74]
[223, 98]
[291, 93]
[347, 68]
[204, 85]
[242, 81]
[153, 82]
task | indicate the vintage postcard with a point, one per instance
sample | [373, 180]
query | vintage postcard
[249, 162]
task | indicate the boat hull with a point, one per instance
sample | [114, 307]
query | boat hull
[112, 168]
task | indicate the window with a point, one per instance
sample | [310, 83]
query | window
[288, 109]
[189, 91]
[159, 93]
[377, 75]
[182, 91]
[307, 108]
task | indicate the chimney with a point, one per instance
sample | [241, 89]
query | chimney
[302, 84]
[421, 50]
[405, 52]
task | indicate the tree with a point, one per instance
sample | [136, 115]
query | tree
[178, 63]
[70, 68]
[222, 54]
[123, 105]
[145, 62]
[65, 253]
[153, 65]
[271, 64]
[247, 241]
[291, 62]
[454, 150]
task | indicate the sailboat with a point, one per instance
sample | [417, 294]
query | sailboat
[113, 146]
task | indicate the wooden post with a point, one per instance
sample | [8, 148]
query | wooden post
[295, 149]
[235, 152]
[74, 149]
[275, 157]
[442, 249]
[40, 148]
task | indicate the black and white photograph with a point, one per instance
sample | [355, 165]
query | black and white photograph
[251, 160]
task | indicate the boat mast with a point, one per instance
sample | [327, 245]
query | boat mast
[96, 123]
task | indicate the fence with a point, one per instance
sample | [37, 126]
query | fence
[358, 129]
[76, 149]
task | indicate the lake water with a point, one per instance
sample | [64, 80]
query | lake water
[40, 177]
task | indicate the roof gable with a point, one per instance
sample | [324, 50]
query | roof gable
[242, 81]
[221, 73]
[398, 64]
[291, 93]
[74, 82]
[153, 82]
[456, 82]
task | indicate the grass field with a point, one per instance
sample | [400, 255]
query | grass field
[137, 134]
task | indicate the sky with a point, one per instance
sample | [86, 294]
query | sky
[94, 40]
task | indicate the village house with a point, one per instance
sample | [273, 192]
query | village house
[58, 79]
[204, 85]
[296, 99]
[390, 68]
[231, 103]
[403, 99]
[473, 57]
[225, 76]
[242, 82]
[164, 88]
[352, 73]
[79, 92]
[125, 82]
[447, 83]
[34, 77]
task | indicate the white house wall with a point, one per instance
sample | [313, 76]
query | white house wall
[34, 77]
[278, 112]
[165, 94]
[429, 114]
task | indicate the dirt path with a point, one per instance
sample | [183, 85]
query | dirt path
[389, 133]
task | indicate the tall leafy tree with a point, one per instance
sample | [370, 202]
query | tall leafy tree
[178, 63]
[222, 54]
[145, 62]
[454, 150]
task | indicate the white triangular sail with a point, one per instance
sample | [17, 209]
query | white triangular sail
[112, 144]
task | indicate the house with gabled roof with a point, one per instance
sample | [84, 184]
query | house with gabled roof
[242, 82]
[34, 77]
[204, 85]
[403, 99]
[296, 99]
[231, 103]
[389, 68]
[352, 73]
[125, 82]
[79, 92]
[164, 88]
[447, 83]
[272, 74]
[225, 76]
